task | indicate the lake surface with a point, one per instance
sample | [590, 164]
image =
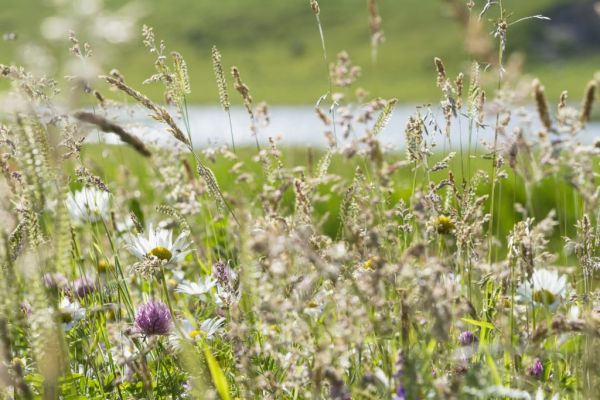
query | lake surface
[299, 125]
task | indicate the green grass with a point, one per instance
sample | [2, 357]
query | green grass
[277, 47]
[552, 193]
[346, 282]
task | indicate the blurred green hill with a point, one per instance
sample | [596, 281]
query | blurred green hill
[276, 44]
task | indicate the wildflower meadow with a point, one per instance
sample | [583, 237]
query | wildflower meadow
[139, 262]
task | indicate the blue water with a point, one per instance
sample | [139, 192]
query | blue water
[299, 125]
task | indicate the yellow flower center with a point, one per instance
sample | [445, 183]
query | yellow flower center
[103, 266]
[543, 296]
[172, 283]
[66, 317]
[195, 333]
[161, 253]
[444, 224]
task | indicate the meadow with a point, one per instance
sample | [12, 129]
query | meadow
[156, 269]
[277, 46]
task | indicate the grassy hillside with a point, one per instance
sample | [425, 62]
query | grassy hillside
[277, 47]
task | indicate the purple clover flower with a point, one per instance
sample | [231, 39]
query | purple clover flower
[467, 338]
[536, 369]
[83, 287]
[153, 318]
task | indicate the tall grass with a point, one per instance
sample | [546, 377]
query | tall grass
[160, 270]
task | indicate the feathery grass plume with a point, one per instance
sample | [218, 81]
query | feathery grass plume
[176, 83]
[8, 274]
[479, 108]
[343, 73]
[315, 7]
[303, 204]
[271, 162]
[448, 102]
[170, 211]
[377, 36]
[384, 117]
[213, 187]
[414, 138]
[107, 126]
[159, 113]
[100, 98]
[541, 104]
[76, 47]
[562, 102]
[137, 224]
[263, 116]
[149, 40]
[12, 177]
[70, 141]
[322, 116]
[39, 137]
[222, 87]
[441, 72]
[349, 208]
[324, 163]
[182, 79]
[474, 88]
[585, 246]
[459, 84]
[85, 176]
[444, 163]
[588, 101]
[211, 183]
[16, 239]
[35, 235]
[220, 77]
[500, 34]
[243, 90]
[31, 164]
[561, 112]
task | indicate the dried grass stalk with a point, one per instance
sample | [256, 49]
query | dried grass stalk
[107, 126]
[159, 113]
[542, 104]
[588, 101]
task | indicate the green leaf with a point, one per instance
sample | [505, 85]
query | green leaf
[481, 324]
[217, 374]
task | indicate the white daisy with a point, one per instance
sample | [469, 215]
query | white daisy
[70, 313]
[546, 287]
[125, 226]
[88, 205]
[159, 244]
[208, 329]
[201, 288]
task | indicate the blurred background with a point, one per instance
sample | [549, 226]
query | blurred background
[277, 47]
